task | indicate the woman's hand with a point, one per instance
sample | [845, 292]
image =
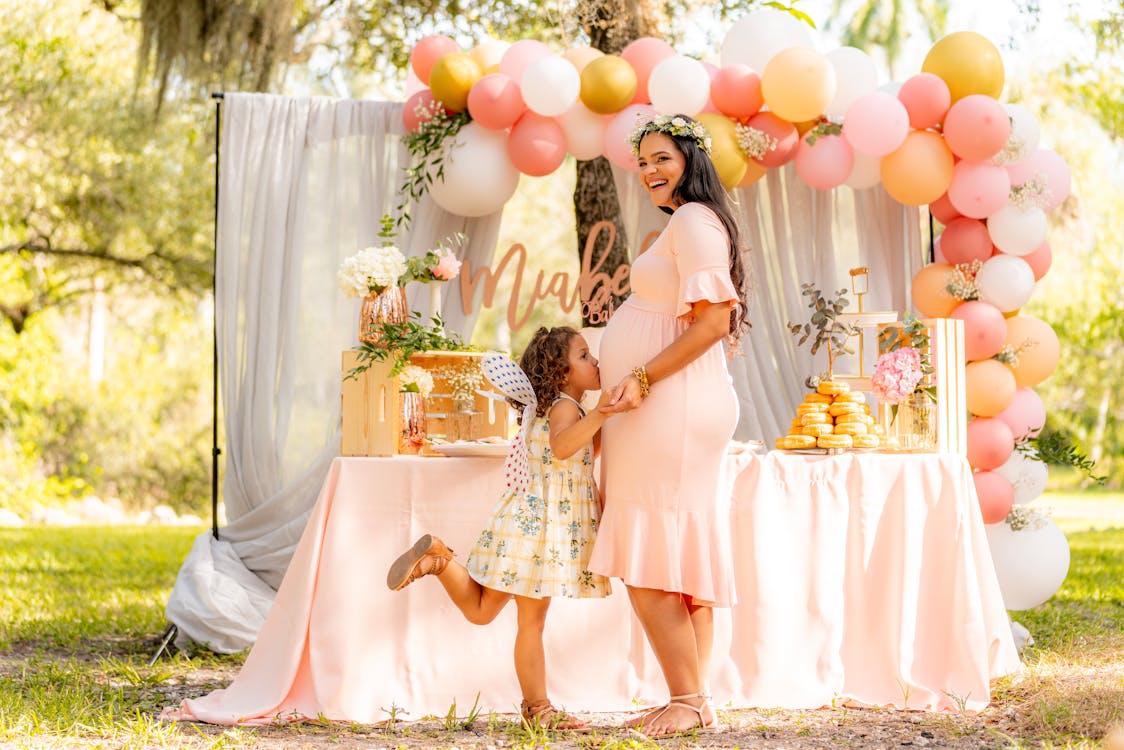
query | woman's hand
[626, 396]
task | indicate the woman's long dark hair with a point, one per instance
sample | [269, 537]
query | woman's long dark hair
[700, 184]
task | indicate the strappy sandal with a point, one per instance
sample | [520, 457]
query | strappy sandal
[428, 556]
[546, 715]
[678, 701]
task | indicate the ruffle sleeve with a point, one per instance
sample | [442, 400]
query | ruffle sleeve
[700, 246]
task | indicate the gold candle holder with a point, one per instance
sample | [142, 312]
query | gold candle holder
[860, 285]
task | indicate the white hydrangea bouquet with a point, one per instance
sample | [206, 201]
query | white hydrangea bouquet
[415, 379]
[371, 270]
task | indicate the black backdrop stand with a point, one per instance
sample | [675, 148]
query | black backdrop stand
[171, 630]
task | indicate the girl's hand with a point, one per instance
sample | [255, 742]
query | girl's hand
[624, 397]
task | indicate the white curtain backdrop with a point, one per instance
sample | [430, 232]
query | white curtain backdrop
[303, 183]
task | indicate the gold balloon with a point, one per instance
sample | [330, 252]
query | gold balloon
[608, 84]
[919, 171]
[728, 157]
[968, 63]
[452, 77]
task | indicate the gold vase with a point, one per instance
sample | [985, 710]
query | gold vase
[387, 306]
[411, 435]
[916, 423]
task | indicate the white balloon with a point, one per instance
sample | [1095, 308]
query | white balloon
[679, 85]
[1015, 231]
[585, 131]
[855, 75]
[1005, 281]
[551, 86]
[756, 37]
[891, 87]
[866, 173]
[479, 176]
[1025, 132]
[1026, 474]
[1031, 563]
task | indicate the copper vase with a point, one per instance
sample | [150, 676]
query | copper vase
[387, 306]
[411, 434]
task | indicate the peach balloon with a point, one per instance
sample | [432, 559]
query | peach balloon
[990, 443]
[929, 294]
[977, 127]
[428, 51]
[736, 91]
[926, 99]
[996, 495]
[985, 329]
[1039, 260]
[579, 57]
[495, 101]
[753, 173]
[964, 240]
[643, 55]
[920, 171]
[783, 131]
[989, 387]
[488, 54]
[608, 85]
[798, 84]
[1038, 360]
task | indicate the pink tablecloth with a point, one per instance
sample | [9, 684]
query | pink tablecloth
[864, 577]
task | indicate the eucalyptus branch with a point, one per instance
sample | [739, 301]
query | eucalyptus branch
[429, 146]
[1054, 447]
[399, 341]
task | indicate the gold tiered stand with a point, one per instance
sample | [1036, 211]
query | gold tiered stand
[862, 320]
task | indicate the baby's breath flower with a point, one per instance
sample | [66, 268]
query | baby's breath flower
[960, 282]
[1034, 193]
[755, 143]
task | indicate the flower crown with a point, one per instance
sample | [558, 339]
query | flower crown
[672, 125]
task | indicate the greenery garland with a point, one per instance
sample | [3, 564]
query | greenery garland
[427, 146]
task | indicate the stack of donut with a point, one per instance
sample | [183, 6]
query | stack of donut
[833, 417]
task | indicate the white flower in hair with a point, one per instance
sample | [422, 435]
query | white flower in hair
[671, 125]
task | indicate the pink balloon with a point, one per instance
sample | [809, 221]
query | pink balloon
[643, 55]
[413, 83]
[429, 50]
[985, 329]
[617, 148]
[826, 164]
[536, 145]
[926, 98]
[1039, 260]
[1026, 415]
[996, 495]
[977, 127]
[876, 124]
[736, 91]
[417, 109]
[712, 71]
[1057, 177]
[788, 139]
[520, 55]
[990, 443]
[495, 101]
[978, 189]
[943, 210]
[965, 240]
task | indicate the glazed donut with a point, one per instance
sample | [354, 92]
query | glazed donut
[857, 396]
[834, 441]
[851, 428]
[793, 442]
[854, 417]
[866, 441]
[840, 408]
[802, 409]
[832, 387]
[815, 417]
[817, 398]
[817, 429]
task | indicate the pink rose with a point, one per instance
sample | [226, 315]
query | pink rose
[447, 268]
[896, 375]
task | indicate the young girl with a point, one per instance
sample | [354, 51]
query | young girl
[538, 541]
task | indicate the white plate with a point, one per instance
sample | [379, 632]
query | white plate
[486, 450]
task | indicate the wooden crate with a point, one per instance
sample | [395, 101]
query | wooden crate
[369, 406]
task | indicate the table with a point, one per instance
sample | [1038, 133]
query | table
[861, 577]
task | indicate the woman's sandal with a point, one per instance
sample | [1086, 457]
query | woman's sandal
[546, 715]
[677, 701]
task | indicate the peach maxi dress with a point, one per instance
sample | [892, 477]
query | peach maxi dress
[666, 522]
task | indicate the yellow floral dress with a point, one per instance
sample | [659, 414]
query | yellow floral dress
[537, 543]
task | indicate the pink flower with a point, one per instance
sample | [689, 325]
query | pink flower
[448, 267]
[896, 375]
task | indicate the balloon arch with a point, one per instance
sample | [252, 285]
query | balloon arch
[940, 138]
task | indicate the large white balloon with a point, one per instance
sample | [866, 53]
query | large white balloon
[679, 85]
[1026, 474]
[1015, 231]
[550, 86]
[585, 131]
[479, 176]
[855, 75]
[756, 37]
[1025, 133]
[1005, 281]
[1031, 563]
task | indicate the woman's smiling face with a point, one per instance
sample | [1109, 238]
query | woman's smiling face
[661, 167]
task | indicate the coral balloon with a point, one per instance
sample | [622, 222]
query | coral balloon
[784, 132]
[989, 387]
[825, 164]
[607, 85]
[579, 57]
[977, 127]
[585, 132]
[618, 150]
[968, 63]
[798, 84]
[644, 55]
[996, 495]
[1005, 281]
[679, 85]
[977, 189]
[929, 294]
[855, 76]
[451, 78]
[1040, 260]
[418, 108]
[985, 330]
[943, 210]
[757, 37]
[1031, 563]
[495, 102]
[536, 145]
[736, 91]
[550, 86]
[990, 443]
[965, 240]
[519, 57]
[1026, 416]
[926, 99]
[876, 124]
[729, 159]
[478, 175]
[428, 51]
[920, 171]
[1040, 349]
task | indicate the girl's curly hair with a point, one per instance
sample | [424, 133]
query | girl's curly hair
[546, 360]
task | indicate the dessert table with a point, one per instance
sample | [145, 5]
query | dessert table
[863, 577]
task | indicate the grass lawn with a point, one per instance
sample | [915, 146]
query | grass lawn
[81, 608]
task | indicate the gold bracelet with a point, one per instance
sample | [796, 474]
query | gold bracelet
[641, 374]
